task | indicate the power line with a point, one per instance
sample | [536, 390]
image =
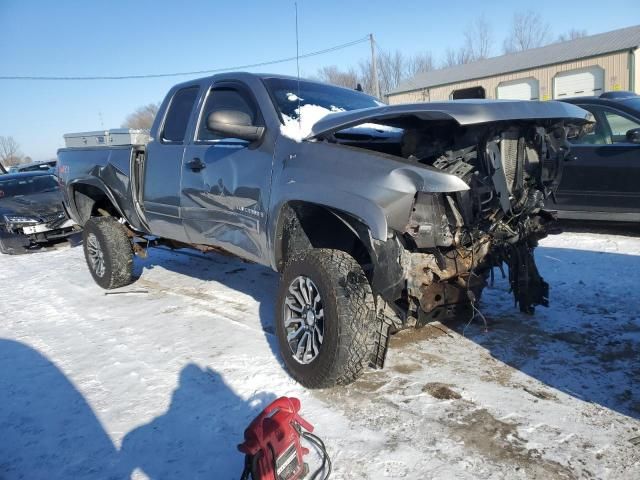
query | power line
[198, 72]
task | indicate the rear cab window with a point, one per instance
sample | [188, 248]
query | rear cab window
[178, 115]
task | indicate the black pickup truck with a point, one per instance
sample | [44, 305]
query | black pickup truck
[378, 217]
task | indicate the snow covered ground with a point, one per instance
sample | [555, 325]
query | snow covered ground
[159, 380]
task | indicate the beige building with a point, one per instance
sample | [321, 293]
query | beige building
[587, 66]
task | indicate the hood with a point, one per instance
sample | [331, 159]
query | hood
[463, 112]
[38, 205]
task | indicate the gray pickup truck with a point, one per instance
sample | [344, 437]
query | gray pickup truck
[377, 217]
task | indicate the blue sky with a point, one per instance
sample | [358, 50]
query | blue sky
[67, 38]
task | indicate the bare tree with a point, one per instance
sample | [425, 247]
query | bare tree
[332, 74]
[10, 154]
[478, 39]
[528, 30]
[419, 63]
[393, 68]
[142, 118]
[478, 44]
[456, 57]
[572, 35]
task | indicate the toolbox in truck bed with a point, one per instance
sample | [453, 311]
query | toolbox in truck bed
[107, 138]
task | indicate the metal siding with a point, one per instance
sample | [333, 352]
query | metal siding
[637, 73]
[616, 77]
[625, 39]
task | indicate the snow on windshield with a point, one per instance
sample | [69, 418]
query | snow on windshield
[299, 126]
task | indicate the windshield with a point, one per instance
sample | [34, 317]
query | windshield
[27, 186]
[288, 97]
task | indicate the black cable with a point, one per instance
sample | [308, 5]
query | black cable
[197, 72]
[318, 443]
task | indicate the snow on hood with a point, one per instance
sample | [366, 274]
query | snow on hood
[300, 127]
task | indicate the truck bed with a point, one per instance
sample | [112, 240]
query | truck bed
[112, 166]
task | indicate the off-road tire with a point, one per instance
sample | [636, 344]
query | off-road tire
[116, 248]
[349, 312]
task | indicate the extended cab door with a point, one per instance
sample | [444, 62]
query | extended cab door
[226, 181]
[604, 176]
[163, 168]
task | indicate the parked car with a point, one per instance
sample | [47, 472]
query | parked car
[378, 217]
[602, 179]
[31, 212]
[45, 166]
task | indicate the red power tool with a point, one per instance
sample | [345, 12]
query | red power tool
[272, 444]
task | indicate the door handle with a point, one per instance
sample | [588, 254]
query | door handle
[196, 164]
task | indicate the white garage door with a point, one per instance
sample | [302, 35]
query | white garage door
[581, 83]
[526, 89]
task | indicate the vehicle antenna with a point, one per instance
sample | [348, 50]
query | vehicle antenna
[298, 66]
[374, 67]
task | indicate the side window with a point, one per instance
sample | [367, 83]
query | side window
[597, 134]
[177, 119]
[225, 98]
[619, 125]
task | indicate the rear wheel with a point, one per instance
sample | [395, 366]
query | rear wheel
[108, 252]
[325, 319]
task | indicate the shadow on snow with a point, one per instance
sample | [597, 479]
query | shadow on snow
[50, 431]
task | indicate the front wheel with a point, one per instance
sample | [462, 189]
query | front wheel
[325, 319]
[108, 252]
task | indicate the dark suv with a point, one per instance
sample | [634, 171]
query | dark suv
[602, 181]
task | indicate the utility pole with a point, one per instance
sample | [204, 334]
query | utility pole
[374, 67]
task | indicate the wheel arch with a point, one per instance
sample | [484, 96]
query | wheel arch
[302, 225]
[88, 197]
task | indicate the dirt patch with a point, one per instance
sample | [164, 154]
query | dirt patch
[498, 373]
[431, 358]
[370, 385]
[441, 391]
[499, 442]
[415, 335]
[541, 394]
[406, 368]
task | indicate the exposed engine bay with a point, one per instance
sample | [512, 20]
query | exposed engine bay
[453, 241]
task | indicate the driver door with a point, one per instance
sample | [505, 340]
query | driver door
[226, 181]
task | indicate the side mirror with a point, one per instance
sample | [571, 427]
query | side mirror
[633, 135]
[234, 124]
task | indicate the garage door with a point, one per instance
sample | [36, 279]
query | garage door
[526, 89]
[581, 83]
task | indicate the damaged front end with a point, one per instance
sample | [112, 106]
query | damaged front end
[454, 240]
[22, 232]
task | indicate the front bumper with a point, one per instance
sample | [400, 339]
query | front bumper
[47, 229]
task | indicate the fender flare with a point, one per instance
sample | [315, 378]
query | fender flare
[95, 183]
